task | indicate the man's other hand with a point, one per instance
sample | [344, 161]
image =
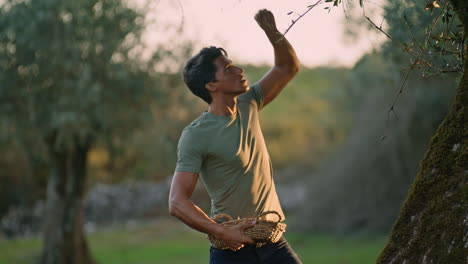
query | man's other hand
[234, 236]
[266, 21]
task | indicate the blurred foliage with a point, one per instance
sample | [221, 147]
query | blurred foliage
[425, 33]
[76, 68]
[300, 126]
[429, 30]
[363, 184]
[23, 175]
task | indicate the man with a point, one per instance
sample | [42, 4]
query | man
[225, 146]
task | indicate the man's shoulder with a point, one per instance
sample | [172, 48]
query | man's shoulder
[192, 134]
[198, 133]
[199, 126]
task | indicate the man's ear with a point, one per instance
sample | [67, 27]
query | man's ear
[211, 87]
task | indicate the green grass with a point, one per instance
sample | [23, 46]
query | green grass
[19, 251]
[170, 242]
[326, 249]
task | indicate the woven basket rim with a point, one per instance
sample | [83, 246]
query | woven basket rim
[273, 230]
[260, 218]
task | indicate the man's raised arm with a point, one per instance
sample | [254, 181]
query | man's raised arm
[286, 62]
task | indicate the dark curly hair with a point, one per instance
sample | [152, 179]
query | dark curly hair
[200, 70]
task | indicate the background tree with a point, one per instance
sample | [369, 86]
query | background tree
[431, 227]
[71, 74]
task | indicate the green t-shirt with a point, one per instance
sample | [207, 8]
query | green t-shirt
[230, 154]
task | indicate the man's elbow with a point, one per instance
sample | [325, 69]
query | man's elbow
[174, 207]
[294, 69]
[290, 70]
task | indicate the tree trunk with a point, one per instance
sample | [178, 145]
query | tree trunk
[432, 226]
[64, 240]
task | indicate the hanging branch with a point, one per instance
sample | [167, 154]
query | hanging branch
[435, 22]
[400, 91]
[417, 57]
[417, 43]
[183, 16]
[294, 21]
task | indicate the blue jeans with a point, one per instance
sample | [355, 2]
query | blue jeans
[271, 253]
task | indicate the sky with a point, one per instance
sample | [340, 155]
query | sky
[318, 37]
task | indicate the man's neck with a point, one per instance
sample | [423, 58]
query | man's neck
[226, 107]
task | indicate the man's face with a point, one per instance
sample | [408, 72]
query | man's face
[229, 78]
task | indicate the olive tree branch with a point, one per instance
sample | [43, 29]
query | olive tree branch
[400, 91]
[294, 21]
[398, 44]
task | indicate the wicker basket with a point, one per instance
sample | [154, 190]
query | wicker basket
[264, 231]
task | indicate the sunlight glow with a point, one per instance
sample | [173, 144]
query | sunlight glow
[318, 37]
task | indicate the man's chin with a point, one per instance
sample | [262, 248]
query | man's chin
[243, 90]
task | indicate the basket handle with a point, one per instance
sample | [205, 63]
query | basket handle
[223, 216]
[262, 215]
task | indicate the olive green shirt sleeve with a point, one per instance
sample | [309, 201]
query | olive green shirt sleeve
[254, 95]
[189, 152]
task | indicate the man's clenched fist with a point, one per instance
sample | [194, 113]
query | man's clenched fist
[266, 21]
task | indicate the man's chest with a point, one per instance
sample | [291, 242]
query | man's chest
[236, 145]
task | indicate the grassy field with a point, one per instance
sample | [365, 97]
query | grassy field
[170, 242]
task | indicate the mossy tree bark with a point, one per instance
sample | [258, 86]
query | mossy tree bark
[433, 226]
[64, 240]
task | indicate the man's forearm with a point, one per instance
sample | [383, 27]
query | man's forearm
[285, 56]
[194, 217]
